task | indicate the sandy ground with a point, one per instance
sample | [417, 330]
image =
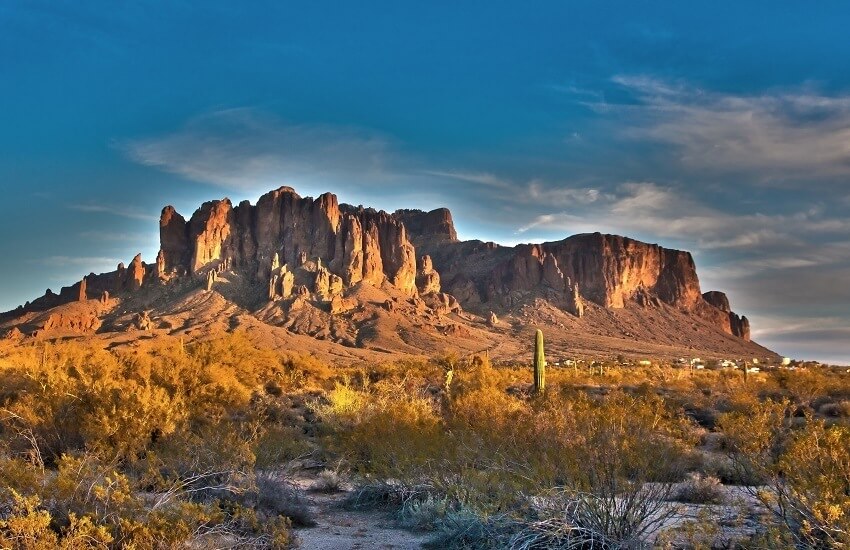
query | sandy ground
[341, 529]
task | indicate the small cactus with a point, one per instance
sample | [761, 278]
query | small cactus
[539, 364]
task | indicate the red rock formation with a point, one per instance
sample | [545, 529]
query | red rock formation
[717, 299]
[174, 241]
[335, 246]
[436, 224]
[135, 274]
[210, 233]
[728, 320]
[612, 269]
[74, 322]
[82, 297]
[427, 278]
[245, 243]
[355, 243]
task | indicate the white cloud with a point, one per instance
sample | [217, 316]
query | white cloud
[249, 149]
[114, 210]
[778, 135]
[480, 178]
[110, 236]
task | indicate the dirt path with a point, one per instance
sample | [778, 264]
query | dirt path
[341, 529]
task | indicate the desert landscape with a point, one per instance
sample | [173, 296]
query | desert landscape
[354, 284]
[393, 275]
[302, 372]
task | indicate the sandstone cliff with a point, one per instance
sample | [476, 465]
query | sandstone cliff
[355, 243]
[729, 321]
[290, 257]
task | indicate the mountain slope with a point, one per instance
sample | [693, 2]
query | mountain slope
[313, 275]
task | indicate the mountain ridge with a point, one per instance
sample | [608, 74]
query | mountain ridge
[350, 274]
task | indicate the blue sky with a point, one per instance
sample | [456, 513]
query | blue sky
[722, 128]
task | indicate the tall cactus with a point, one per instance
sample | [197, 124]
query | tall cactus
[746, 372]
[539, 364]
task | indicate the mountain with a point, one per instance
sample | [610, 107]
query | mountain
[353, 283]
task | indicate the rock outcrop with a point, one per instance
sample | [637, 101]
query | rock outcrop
[173, 240]
[427, 278]
[492, 320]
[74, 322]
[83, 295]
[436, 224]
[320, 253]
[142, 321]
[356, 244]
[730, 321]
[135, 274]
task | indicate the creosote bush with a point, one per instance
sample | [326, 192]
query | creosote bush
[176, 446]
[148, 449]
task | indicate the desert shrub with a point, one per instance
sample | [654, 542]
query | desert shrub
[700, 489]
[281, 498]
[729, 472]
[280, 445]
[303, 371]
[806, 468]
[327, 481]
[424, 514]
[27, 525]
[835, 410]
[470, 530]
[387, 495]
[386, 432]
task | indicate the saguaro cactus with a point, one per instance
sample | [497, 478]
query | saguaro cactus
[539, 363]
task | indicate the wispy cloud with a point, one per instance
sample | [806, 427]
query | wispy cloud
[771, 135]
[481, 178]
[110, 236]
[73, 261]
[246, 148]
[114, 210]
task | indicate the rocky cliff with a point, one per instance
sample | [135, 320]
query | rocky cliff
[298, 250]
[356, 244]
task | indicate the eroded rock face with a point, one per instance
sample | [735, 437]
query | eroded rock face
[73, 322]
[161, 271]
[727, 319]
[135, 274]
[740, 326]
[83, 295]
[173, 241]
[610, 270]
[327, 284]
[355, 244]
[211, 233]
[575, 304]
[427, 278]
[142, 321]
[717, 299]
[436, 224]
[285, 242]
